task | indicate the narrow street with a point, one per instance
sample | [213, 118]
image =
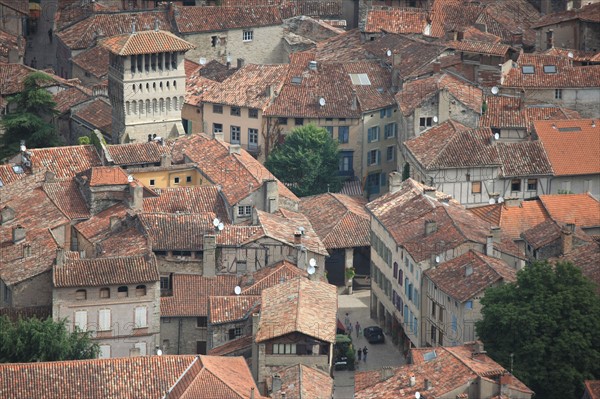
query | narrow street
[379, 355]
[38, 43]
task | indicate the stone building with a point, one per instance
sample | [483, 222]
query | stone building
[577, 28]
[146, 84]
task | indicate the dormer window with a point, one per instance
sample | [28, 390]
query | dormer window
[549, 68]
[528, 69]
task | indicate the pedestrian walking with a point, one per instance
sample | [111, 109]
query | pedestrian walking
[365, 351]
[357, 327]
[347, 321]
[359, 353]
[350, 330]
[50, 35]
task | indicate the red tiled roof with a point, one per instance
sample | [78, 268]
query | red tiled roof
[301, 381]
[228, 309]
[270, 276]
[340, 221]
[346, 47]
[232, 347]
[296, 299]
[67, 197]
[586, 258]
[479, 47]
[527, 158]
[396, 20]
[122, 242]
[12, 77]
[10, 42]
[106, 271]
[8, 174]
[210, 19]
[283, 225]
[587, 13]
[505, 18]
[202, 199]
[566, 76]
[191, 293]
[238, 235]
[146, 42]
[100, 223]
[137, 153]
[176, 232]
[592, 387]
[451, 277]
[94, 61]
[513, 220]
[550, 231]
[98, 114]
[578, 55]
[377, 94]
[452, 15]
[21, 6]
[105, 176]
[581, 209]
[65, 99]
[65, 162]
[567, 142]
[237, 174]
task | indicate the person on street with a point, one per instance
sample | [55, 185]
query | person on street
[350, 330]
[347, 321]
[359, 353]
[357, 326]
[365, 351]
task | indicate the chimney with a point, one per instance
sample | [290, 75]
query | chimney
[496, 232]
[18, 233]
[512, 202]
[114, 222]
[165, 160]
[489, 245]
[517, 38]
[312, 65]
[255, 221]
[240, 63]
[396, 58]
[60, 256]
[412, 381]
[394, 181]
[235, 149]
[6, 215]
[430, 227]
[255, 347]
[427, 384]
[136, 194]
[276, 384]
[218, 136]
[385, 373]
[505, 381]
[49, 177]
[297, 237]
[209, 259]
[354, 105]
[566, 240]
[251, 389]
[430, 192]
[271, 195]
[100, 90]
[437, 67]
[26, 250]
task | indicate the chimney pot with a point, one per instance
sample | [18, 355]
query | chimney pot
[489, 245]
[566, 238]
[235, 149]
[437, 67]
[297, 237]
[395, 182]
[18, 234]
[412, 381]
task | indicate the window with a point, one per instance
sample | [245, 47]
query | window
[390, 130]
[235, 332]
[298, 121]
[176, 180]
[217, 128]
[81, 320]
[81, 295]
[373, 134]
[346, 161]
[213, 41]
[558, 94]
[528, 69]
[385, 113]
[235, 111]
[201, 321]
[532, 184]
[432, 309]
[104, 320]
[253, 113]
[122, 292]
[433, 334]
[373, 183]
[235, 134]
[284, 349]
[373, 157]
[104, 352]
[282, 121]
[247, 35]
[426, 122]
[343, 133]
[244, 210]
[141, 346]
[104, 292]
[140, 317]
[252, 138]
[152, 182]
[549, 68]
[140, 290]
[395, 269]
[515, 185]
[469, 305]
[217, 109]
[476, 187]
[390, 153]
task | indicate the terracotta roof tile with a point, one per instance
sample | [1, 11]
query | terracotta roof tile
[580, 209]
[451, 15]
[233, 346]
[479, 47]
[8, 175]
[396, 20]
[527, 158]
[202, 199]
[593, 388]
[346, 47]
[587, 13]
[10, 42]
[283, 225]
[100, 223]
[474, 34]
[237, 235]
[65, 99]
[146, 42]
[176, 232]
[301, 381]
[228, 309]
[550, 231]
[105, 176]
[67, 197]
[191, 293]
[340, 221]
[137, 153]
[106, 271]
[377, 94]
[65, 162]
[296, 298]
[513, 220]
[211, 19]
[586, 258]
[567, 142]
[578, 55]
[270, 276]
[128, 241]
[94, 61]
[214, 70]
[451, 277]
[98, 114]
[21, 6]
[566, 76]
[12, 77]
[505, 18]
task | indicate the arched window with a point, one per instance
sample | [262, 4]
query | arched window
[154, 86]
[168, 104]
[175, 103]
[140, 290]
[133, 87]
[148, 110]
[161, 104]
[105, 292]
[147, 87]
[140, 87]
[122, 292]
[155, 106]
[174, 84]
[81, 295]
[128, 107]
[168, 85]
[141, 105]
[134, 107]
[180, 102]
[160, 85]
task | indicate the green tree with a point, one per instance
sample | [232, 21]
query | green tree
[34, 108]
[307, 161]
[550, 320]
[34, 340]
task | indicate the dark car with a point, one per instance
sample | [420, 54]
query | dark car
[373, 334]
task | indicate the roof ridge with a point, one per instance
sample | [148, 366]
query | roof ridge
[446, 144]
[208, 370]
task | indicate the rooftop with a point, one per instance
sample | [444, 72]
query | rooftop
[301, 381]
[186, 199]
[396, 20]
[137, 153]
[94, 61]
[65, 99]
[65, 162]
[580, 209]
[267, 277]
[146, 42]
[232, 308]
[587, 13]
[98, 114]
[197, 19]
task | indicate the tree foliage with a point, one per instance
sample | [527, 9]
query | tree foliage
[30, 120]
[307, 161]
[34, 340]
[550, 320]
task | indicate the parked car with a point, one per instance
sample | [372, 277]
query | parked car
[373, 334]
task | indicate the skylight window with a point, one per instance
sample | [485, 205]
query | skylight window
[549, 68]
[429, 356]
[569, 129]
[361, 79]
[528, 69]
[296, 80]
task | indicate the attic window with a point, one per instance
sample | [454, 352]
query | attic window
[360, 79]
[528, 69]
[18, 169]
[429, 356]
[297, 80]
[549, 68]
[569, 129]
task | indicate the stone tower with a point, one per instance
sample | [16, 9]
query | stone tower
[146, 85]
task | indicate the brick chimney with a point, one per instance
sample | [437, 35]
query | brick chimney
[385, 373]
[437, 67]
[566, 239]
[297, 237]
[512, 202]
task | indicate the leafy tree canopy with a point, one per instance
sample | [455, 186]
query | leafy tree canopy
[34, 340]
[550, 320]
[307, 161]
[30, 120]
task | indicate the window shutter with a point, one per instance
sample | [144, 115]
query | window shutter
[104, 352]
[140, 317]
[142, 347]
[104, 319]
[81, 320]
[378, 157]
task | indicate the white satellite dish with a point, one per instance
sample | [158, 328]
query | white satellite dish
[389, 53]
[496, 136]
[202, 61]
[417, 395]
[435, 119]
[237, 290]
[312, 262]
[129, 178]
[570, 55]
[216, 222]
[311, 270]
[437, 259]
[159, 352]
[322, 102]
[492, 201]
[500, 200]
[495, 90]
[220, 226]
